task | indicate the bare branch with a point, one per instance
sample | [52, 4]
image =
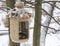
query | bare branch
[51, 16]
[49, 1]
[3, 8]
[46, 27]
[1, 34]
[54, 5]
[50, 28]
[3, 30]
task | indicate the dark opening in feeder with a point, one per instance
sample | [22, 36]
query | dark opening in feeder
[23, 33]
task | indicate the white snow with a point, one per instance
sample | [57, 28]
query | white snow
[51, 39]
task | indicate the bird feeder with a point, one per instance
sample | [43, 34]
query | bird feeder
[19, 29]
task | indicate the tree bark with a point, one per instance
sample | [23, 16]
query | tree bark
[10, 3]
[37, 23]
[11, 43]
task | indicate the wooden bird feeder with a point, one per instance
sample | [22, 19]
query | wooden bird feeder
[19, 29]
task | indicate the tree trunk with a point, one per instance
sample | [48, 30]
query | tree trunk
[13, 44]
[10, 3]
[44, 30]
[37, 23]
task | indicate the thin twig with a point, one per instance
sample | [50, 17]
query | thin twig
[50, 28]
[46, 27]
[31, 28]
[51, 16]
[54, 5]
[49, 1]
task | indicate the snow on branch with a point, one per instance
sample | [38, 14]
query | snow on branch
[5, 9]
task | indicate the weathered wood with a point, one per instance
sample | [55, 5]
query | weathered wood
[10, 3]
[15, 27]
